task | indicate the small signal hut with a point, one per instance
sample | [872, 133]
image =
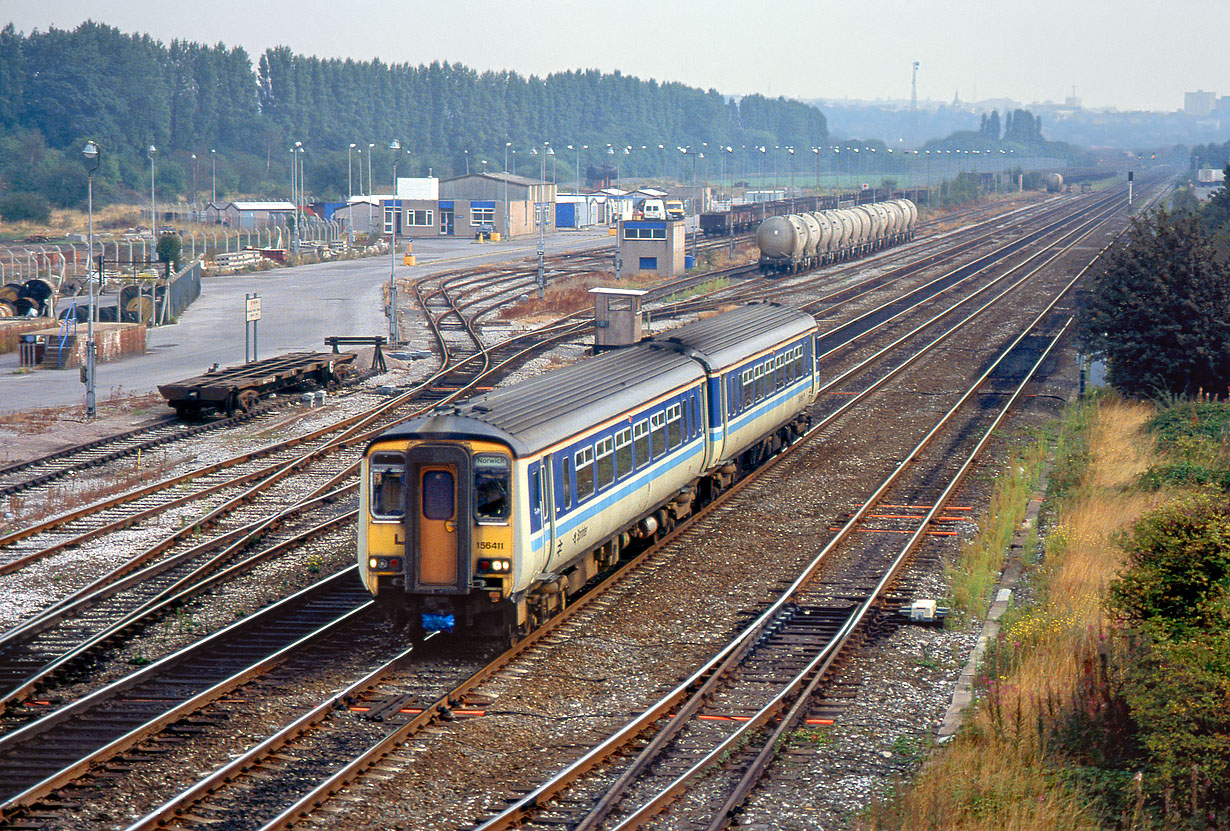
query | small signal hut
[617, 317]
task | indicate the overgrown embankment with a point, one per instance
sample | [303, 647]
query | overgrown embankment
[1105, 702]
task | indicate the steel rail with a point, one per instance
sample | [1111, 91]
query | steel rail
[520, 809]
[187, 706]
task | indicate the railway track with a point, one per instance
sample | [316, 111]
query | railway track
[450, 703]
[446, 705]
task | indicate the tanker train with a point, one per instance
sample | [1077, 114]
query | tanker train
[485, 516]
[797, 242]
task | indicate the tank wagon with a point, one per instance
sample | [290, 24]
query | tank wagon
[485, 516]
[797, 242]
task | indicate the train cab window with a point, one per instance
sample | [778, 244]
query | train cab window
[640, 440]
[674, 425]
[732, 390]
[388, 472]
[536, 489]
[492, 476]
[439, 497]
[623, 452]
[585, 472]
[657, 428]
[604, 453]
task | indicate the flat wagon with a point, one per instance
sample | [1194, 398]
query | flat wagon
[239, 388]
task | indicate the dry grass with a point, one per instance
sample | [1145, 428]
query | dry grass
[995, 774]
[571, 294]
[67, 221]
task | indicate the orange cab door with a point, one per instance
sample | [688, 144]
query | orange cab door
[437, 525]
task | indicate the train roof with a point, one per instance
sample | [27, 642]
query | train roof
[534, 414]
[728, 338]
[541, 411]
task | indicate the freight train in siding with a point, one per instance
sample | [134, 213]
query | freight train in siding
[486, 515]
[797, 242]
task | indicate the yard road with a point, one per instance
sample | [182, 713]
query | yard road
[300, 306]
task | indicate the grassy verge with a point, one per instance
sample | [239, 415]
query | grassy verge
[1000, 772]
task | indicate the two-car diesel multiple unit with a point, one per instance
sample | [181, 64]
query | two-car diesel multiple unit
[485, 516]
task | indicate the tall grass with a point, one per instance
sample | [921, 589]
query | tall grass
[999, 772]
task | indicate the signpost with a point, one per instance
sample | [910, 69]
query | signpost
[252, 314]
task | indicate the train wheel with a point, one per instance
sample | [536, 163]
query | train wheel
[247, 400]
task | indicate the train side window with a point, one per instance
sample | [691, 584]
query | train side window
[640, 440]
[388, 498]
[749, 388]
[492, 475]
[787, 360]
[758, 378]
[798, 362]
[566, 478]
[674, 425]
[604, 450]
[623, 452]
[657, 427]
[585, 472]
[732, 391]
[779, 370]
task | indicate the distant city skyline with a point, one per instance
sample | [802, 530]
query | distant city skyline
[1129, 55]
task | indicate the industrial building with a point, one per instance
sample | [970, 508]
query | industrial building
[503, 202]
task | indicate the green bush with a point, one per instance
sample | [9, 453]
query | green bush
[1191, 419]
[24, 207]
[1178, 565]
[1175, 594]
[1179, 693]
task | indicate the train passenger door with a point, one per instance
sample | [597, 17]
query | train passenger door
[438, 519]
[438, 525]
[547, 495]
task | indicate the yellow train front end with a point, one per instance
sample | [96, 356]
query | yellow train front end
[437, 537]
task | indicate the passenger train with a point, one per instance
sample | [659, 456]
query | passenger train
[486, 515]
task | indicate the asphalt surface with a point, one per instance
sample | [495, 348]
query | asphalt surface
[300, 306]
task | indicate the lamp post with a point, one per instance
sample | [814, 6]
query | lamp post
[349, 200]
[153, 209]
[370, 186]
[395, 146]
[467, 152]
[213, 166]
[507, 234]
[194, 205]
[302, 208]
[296, 190]
[540, 210]
[94, 153]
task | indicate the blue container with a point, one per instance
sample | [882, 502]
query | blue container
[689, 261]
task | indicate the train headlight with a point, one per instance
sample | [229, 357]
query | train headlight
[372, 563]
[493, 566]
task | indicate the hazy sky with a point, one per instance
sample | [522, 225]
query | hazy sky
[1130, 54]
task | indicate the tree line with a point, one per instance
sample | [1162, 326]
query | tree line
[59, 88]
